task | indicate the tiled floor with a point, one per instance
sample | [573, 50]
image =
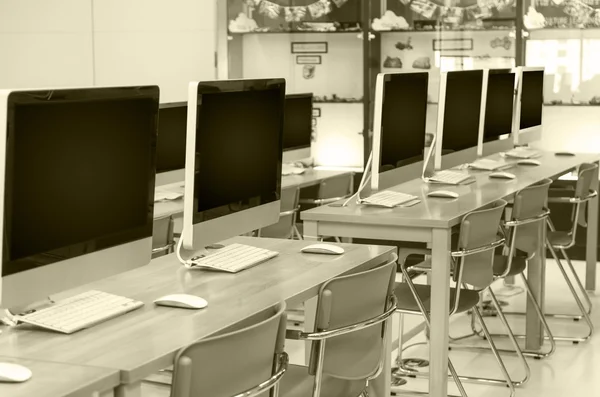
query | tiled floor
[573, 371]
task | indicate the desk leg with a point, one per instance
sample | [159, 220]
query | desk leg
[129, 390]
[109, 393]
[592, 239]
[440, 304]
[536, 275]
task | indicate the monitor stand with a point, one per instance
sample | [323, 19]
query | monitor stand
[9, 315]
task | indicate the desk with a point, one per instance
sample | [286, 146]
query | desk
[310, 177]
[431, 222]
[61, 380]
[144, 341]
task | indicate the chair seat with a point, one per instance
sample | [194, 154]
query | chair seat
[407, 302]
[297, 382]
[559, 239]
[501, 263]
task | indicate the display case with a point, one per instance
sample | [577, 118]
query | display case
[318, 47]
[335, 48]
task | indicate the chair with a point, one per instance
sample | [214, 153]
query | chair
[473, 260]
[205, 368]
[563, 240]
[286, 227]
[329, 191]
[348, 341]
[163, 237]
[522, 234]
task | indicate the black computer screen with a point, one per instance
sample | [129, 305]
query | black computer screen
[297, 127]
[80, 169]
[239, 136]
[532, 98]
[172, 125]
[403, 121]
[462, 110]
[499, 104]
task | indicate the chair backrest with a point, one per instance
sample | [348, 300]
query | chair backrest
[475, 255]
[586, 174]
[349, 300]
[162, 236]
[287, 218]
[529, 203]
[231, 363]
[336, 187]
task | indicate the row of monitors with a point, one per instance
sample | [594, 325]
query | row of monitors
[476, 108]
[78, 172]
[172, 124]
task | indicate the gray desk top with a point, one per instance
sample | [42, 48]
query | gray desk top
[444, 213]
[59, 380]
[144, 341]
[309, 178]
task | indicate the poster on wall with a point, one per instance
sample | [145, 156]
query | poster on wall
[293, 15]
[565, 14]
[404, 15]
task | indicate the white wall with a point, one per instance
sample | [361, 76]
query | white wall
[45, 43]
[107, 42]
[571, 128]
[164, 42]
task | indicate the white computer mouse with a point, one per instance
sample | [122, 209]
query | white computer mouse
[502, 175]
[183, 301]
[298, 171]
[528, 162]
[13, 373]
[328, 249]
[443, 194]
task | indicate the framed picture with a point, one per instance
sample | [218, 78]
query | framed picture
[452, 44]
[309, 47]
[308, 59]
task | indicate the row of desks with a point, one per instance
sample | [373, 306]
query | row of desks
[144, 341]
[431, 222]
[310, 177]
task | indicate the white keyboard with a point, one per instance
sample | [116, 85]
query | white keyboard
[488, 165]
[388, 199]
[285, 171]
[81, 311]
[233, 258]
[449, 177]
[521, 153]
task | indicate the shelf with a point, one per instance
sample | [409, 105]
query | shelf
[499, 29]
[296, 32]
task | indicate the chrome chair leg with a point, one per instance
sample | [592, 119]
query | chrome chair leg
[531, 353]
[582, 309]
[517, 349]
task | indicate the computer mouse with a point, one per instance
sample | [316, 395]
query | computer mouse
[443, 194]
[564, 154]
[13, 373]
[528, 162]
[328, 249]
[183, 301]
[298, 171]
[502, 175]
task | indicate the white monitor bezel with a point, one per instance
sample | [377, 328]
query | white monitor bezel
[196, 236]
[383, 180]
[20, 289]
[293, 155]
[462, 156]
[531, 134]
[503, 143]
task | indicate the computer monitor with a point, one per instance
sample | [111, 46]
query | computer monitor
[459, 117]
[497, 114]
[170, 149]
[399, 125]
[234, 159]
[79, 168]
[529, 105]
[297, 127]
